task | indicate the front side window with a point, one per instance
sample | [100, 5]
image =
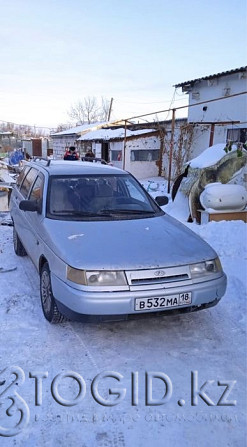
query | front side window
[37, 189]
[98, 197]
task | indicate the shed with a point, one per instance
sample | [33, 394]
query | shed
[137, 151]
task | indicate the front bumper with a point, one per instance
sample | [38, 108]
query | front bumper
[74, 303]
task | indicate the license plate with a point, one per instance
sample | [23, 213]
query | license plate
[179, 299]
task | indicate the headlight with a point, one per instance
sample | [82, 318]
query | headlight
[96, 278]
[205, 268]
[102, 278]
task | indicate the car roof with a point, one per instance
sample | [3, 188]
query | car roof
[70, 167]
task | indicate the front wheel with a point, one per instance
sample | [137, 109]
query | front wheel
[48, 303]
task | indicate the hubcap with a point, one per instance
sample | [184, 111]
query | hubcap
[46, 294]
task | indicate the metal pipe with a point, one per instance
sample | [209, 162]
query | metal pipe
[171, 150]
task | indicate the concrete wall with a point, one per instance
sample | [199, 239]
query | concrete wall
[46, 145]
[201, 138]
[61, 144]
[229, 109]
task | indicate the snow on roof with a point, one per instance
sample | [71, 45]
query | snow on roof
[217, 75]
[79, 129]
[112, 134]
[210, 156]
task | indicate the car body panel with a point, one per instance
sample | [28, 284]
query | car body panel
[116, 303]
[125, 244]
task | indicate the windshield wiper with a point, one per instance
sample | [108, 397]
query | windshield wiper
[76, 213]
[124, 211]
[102, 213]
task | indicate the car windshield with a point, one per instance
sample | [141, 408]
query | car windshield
[98, 197]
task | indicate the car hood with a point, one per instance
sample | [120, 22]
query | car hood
[125, 244]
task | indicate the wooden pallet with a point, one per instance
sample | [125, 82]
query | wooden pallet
[222, 215]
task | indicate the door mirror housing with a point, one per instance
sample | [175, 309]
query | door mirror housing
[30, 205]
[162, 200]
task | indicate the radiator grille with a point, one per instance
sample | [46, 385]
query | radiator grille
[166, 279]
[159, 277]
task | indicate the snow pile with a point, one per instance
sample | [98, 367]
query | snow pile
[155, 186]
[228, 237]
[211, 342]
[210, 156]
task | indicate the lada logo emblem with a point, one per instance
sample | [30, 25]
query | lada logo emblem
[159, 273]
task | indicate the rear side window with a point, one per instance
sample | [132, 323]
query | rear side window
[21, 176]
[28, 181]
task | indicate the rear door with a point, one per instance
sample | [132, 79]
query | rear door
[23, 220]
[32, 234]
[16, 197]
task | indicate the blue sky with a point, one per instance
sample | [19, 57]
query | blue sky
[54, 53]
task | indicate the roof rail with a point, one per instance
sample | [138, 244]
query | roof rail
[42, 159]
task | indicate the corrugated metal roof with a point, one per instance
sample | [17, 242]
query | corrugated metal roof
[217, 75]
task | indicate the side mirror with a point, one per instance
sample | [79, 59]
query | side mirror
[30, 205]
[162, 200]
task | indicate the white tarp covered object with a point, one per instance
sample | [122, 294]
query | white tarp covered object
[212, 166]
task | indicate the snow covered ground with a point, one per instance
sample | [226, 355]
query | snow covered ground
[210, 345]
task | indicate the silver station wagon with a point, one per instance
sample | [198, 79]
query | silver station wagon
[104, 248]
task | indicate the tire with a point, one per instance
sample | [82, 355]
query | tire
[18, 247]
[48, 302]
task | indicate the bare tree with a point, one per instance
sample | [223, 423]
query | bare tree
[91, 109]
[76, 113]
[181, 151]
[105, 109]
[88, 110]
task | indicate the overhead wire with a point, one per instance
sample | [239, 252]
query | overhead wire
[186, 106]
[138, 116]
[143, 103]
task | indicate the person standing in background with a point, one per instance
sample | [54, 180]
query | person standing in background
[90, 154]
[71, 154]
